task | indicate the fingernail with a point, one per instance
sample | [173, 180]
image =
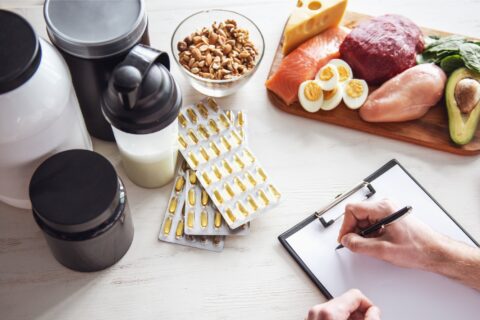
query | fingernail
[344, 240]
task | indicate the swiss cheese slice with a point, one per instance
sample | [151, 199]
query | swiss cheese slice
[309, 18]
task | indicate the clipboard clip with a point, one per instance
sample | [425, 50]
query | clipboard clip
[340, 198]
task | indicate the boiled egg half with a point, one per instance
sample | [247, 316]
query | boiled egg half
[332, 98]
[327, 77]
[355, 92]
[344, 71]
[310, 95]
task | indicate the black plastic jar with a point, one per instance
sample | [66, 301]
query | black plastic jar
[93, 37]
[81, 206]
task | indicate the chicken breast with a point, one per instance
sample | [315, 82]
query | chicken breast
[407, 96]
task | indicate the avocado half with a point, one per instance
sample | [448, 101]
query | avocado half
[462, 126]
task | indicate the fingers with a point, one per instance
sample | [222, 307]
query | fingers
[356, 214]
[373, 247]
[373, 313]
[349, 305]
[354, 300]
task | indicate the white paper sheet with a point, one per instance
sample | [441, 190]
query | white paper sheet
[400, 293]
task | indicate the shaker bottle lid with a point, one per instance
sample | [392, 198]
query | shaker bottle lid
[74, 191]
[142, 96]
[95, 28]
[20, 51]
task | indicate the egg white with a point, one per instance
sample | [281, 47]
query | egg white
[334, 101]
[339, 63]
[330, 83]
[310, 106]
[352, 102]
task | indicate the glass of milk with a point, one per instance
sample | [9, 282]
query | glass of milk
[142, 103]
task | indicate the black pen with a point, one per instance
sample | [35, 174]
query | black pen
[383, 223]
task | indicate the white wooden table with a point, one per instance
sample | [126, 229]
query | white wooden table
[253, 278]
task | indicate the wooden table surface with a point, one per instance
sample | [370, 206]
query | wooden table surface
[253, 278]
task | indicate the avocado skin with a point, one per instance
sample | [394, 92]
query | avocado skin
[462, 126]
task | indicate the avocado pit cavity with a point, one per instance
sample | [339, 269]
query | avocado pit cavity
[467, 94]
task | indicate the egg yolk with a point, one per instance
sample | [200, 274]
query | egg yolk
[326, 74]
[312, 91]
[354, 89]
[342, 73]
[327, 95]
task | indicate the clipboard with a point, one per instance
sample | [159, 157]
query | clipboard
[322, 220]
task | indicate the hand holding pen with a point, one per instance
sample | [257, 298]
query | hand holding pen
[403, 243]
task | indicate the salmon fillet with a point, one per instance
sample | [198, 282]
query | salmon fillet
[304, 62]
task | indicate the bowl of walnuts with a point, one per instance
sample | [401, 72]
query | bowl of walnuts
[217, 50]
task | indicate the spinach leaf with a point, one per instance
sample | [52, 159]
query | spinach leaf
[451, 63]
[470, 53]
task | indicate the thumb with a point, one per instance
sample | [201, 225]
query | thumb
[373, 313]
[356, 243]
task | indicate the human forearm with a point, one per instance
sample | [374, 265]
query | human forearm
[456, 260]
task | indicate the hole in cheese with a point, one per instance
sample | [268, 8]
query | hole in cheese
[314, 5]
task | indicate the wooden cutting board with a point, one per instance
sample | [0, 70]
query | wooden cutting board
[430, 131]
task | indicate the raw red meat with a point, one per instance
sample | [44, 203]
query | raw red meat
[382, 47]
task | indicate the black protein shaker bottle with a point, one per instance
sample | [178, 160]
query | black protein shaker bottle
[93, 37]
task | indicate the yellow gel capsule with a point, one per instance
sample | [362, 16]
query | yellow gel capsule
[240, 183]
[249, 155]
[242, 133]
[179, 184]
[217, 172]
[168, 226]
[192, 115]
[229, 115]
[274, 191]
[252, 203]
[182, 120]
[182, 142]
[239, 161]
[240, 119]
[230, 215]
[204, 154]
[203, 131]
[225, 142]
[191, 219]
[217, 220]
[206, 178]
[224, 121]
[264, 197]
[193, 136]
[213, 125]
[242, 209]
[212, 104]
[215, 148]
[179, 231]
[203, 110]
[173, 205]
[218, 196]
[193, 158]
[229, 190]
[192, 176]
[237, 137]
[204, 219]
[204, 198]
[262, 174]
[191, 196]
[227, 166]
[251, 179]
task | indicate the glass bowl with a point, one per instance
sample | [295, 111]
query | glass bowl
[209, 87]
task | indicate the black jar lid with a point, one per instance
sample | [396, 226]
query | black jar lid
[74, 191]
[95, 29]
[142, 97]
[20, 52]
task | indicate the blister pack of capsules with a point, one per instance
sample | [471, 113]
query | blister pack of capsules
[201, 216]
[227, 169]
[173, 226]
